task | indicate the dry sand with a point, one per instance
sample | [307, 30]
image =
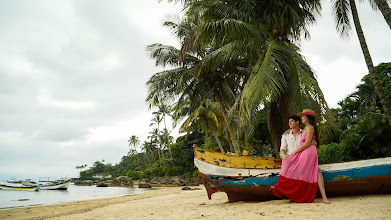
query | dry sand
[174, 203]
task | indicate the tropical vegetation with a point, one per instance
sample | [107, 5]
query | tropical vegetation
[236, 77]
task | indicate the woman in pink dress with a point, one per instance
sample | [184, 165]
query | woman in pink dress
[299, 172]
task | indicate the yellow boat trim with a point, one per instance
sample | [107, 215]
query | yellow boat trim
[233, 161]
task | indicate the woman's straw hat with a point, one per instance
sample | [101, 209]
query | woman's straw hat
[307, 112]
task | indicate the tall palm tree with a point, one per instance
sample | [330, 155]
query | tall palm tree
[341, 11]
[385, 10]
[133, 140]
[265, 33]
[154, 135]
[165, 110]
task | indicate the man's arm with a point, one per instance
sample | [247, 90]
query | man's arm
[283, 148]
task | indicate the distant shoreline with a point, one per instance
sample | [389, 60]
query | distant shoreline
[174, 203]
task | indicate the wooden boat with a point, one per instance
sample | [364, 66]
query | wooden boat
[19, 187]
[61, 184]
[245, 178]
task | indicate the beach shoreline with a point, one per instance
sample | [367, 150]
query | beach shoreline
[175, 203]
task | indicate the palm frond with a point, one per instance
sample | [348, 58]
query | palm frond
[341, 13]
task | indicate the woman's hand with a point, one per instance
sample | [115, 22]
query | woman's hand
[286, 132]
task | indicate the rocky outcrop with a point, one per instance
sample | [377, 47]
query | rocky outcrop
[144, 185]
[122, 181]
[170, 181]
[101, 184]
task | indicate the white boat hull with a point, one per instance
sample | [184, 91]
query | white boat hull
[21, 188]
[60, 186]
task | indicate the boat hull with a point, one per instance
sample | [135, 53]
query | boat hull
[56, 186]
[21, 188]
[358, 186]
[341, 179]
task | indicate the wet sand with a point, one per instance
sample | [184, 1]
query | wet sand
[174, 203]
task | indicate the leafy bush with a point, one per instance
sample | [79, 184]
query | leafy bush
[369, 138]
[134, 175]
[331, 153]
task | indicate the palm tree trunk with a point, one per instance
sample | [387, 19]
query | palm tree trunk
[218, 142]
[372, 72]
[385, 10]
[284, 112]
[165, 127]
[274, 127]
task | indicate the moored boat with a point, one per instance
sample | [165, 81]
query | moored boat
[61, 184]
[249, 178]
[19, 187]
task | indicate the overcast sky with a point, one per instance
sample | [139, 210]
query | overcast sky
[73, 74]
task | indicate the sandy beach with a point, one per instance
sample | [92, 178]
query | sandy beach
[175, 203]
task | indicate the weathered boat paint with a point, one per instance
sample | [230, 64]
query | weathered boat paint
[233, 161]
[354, 186]
[253, 184]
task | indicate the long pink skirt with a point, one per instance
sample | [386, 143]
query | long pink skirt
[298, 179]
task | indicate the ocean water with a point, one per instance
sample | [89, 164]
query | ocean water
[10, 199]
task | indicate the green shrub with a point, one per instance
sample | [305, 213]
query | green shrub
[369, 138]
[174, 171]
[134, 175]
[331, 153]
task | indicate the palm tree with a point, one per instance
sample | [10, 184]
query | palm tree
[133, 155]
[265, 33]
[207, 117]
[164, 110]
[133, 140]
[341, 10]
[385, 10]
[156, 120]
[155, 139]
[191, 76]
[149, 149]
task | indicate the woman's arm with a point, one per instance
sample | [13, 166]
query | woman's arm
[308, 140]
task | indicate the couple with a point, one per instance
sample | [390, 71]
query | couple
[300, 175]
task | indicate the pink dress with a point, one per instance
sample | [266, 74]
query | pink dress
[299, 175]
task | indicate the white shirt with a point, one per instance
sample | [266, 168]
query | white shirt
[289, 142]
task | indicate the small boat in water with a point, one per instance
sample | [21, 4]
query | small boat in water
[61, 184]
[19, 187]
[245, 178]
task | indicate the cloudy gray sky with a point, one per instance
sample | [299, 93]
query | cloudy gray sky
[73, 73]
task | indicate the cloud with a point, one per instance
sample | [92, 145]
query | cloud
[73, 82]
[73, 77]
[339, 63]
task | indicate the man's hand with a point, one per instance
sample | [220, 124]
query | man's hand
[283, 155]
[286, 132]
[314, 143]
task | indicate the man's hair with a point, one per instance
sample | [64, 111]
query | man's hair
[295, 117]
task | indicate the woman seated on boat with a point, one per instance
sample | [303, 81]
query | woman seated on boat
[299, 172]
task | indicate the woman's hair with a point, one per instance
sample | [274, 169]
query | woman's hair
[312, 121]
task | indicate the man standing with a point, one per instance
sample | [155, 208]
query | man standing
[290, 141]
